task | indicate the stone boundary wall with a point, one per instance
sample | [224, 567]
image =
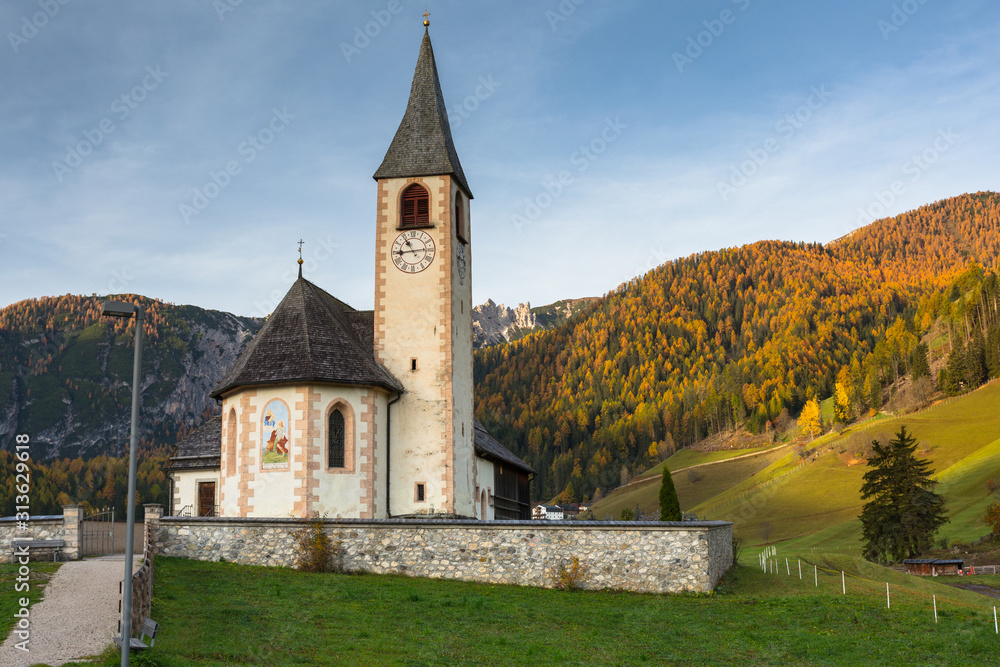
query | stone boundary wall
[142, 579]
[44, 527]
[648, 557]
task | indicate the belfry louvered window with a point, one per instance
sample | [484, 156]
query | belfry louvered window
[335, 436]
[416, 207]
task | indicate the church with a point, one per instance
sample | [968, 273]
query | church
[366, 414]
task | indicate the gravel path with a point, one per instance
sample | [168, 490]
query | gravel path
[77, 615]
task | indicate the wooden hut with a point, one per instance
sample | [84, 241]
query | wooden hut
[932, 567]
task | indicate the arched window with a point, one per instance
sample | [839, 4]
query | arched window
[416, 207]
[461, 225]
[335, 439]
[231, 443]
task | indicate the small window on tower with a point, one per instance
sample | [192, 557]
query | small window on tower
[413, 364]
[416, 207]
[419, 495]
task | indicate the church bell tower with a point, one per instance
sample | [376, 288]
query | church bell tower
[423, 306]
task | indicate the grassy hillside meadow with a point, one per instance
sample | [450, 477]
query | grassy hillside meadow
[811, 495]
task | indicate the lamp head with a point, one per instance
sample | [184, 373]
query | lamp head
[118, 309]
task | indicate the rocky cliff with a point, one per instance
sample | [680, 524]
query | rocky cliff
[66, 373]
[494, 324]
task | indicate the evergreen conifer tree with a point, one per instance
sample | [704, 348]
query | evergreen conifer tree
[920, 365]
[670, 507]
[902, 513]
[954, 378]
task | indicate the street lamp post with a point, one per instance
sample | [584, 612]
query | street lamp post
[127, 310]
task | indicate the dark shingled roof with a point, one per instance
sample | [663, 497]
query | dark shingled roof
[201, 449]
[488, 448]
[310, 337]
[423, 145]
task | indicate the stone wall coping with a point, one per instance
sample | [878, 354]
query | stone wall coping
[43, 517]
[454, 523]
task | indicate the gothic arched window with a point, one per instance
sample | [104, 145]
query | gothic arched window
[335, 439]
[461, 230]
[416, 207]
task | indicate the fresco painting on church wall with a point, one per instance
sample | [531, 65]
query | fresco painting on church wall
[275, 436]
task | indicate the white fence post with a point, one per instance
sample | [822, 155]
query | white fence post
[935, 609]
[887, 604]
[843, 582]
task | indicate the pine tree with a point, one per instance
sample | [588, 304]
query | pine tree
[670, 507]
[902, 513]
[919, 363]
[955, 371]
[975, 360]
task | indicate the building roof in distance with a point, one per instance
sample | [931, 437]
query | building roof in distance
[423, 145]
[311, 337]
[201, 449]
[488, 448]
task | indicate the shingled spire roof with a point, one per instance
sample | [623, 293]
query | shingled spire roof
[423, 145]
[310, 337]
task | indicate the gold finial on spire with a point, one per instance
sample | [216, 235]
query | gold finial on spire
[300, 257]
[426, 14]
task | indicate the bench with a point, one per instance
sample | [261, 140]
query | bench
[18, 547]
[148, 629]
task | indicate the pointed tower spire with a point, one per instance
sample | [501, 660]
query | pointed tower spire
[423, 145]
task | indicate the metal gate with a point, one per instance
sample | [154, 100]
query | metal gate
[97, 533]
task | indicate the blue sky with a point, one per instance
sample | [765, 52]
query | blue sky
[180, 149]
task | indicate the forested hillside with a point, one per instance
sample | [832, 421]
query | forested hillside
[66, 372]
[739, 336]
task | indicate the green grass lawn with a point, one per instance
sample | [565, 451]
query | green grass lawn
[691, 491]
[818, 503]
[39, 574]
[225, 614]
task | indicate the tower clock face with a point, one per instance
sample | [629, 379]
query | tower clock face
[413, 251]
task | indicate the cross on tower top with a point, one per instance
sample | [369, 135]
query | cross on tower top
[300, 257]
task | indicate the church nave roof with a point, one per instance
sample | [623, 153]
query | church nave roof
[311, 337]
